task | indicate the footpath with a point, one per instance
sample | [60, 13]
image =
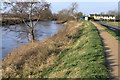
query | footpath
[111, 49]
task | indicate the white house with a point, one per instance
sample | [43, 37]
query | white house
[104, 17]
[86, 18]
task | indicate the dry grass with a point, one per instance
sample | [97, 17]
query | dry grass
[11, 18]
[33, 58]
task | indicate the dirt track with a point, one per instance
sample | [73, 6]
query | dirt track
[111, 48]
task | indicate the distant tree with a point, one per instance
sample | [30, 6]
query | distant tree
[46, 14]
[27, 10]
[112, 12]
[102, 13]
[73, 10]
[118, 17]
[79, 14]
[119, 10]
[68, 14]
[55, 16]
[91, 18]
[63, 15]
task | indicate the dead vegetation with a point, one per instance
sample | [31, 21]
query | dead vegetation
[31, 59]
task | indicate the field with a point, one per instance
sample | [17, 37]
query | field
[75, 52]
[114, 33]
[112, 23]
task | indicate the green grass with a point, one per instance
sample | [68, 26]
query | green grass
[86, 60]
[112, 23]
[116, 34]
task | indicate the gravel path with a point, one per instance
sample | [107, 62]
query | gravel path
[111, 48]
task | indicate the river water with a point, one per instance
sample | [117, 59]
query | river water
[12, 36]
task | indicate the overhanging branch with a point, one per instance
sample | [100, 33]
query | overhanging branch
[25, 23]
[37, 21]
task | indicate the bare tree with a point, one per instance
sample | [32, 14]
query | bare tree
[73, 10]
[102, 13]
[112, 12]
[26, 11]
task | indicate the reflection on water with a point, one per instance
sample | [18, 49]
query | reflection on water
[12, 38]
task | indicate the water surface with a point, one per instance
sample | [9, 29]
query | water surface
[14, 35]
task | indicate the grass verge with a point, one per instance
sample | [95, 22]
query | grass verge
[111, 23]
[114, 33]
[86, 59]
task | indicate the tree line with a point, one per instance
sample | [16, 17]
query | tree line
[68, 14]
[38, 10]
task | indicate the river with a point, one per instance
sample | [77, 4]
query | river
[12, 39]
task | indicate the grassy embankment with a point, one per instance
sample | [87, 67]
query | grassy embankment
[114, 33]
[75, 52]
[86, 59]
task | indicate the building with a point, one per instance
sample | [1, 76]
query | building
[103, 17]
[86, 18]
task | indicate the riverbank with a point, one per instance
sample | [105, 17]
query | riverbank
[12, 37]
[13, 21]
[75, 52]
[61, 22]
